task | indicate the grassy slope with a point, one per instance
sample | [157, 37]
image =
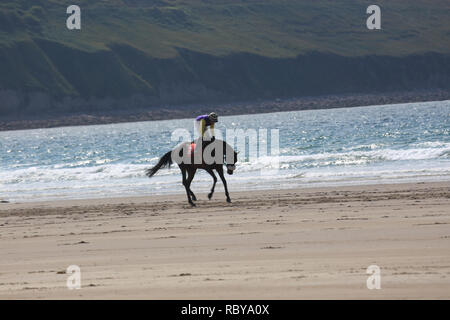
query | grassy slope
[274, 28]
[38, 53]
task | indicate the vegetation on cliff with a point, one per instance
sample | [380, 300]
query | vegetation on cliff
[138, 54]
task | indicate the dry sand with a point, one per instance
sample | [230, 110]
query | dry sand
[281, 244]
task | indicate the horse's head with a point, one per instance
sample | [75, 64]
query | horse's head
[231, 168]
[231, 165]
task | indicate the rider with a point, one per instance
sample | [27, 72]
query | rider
[204, 121]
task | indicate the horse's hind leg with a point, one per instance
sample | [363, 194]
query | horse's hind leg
[191, 174]
[211, 172]
[186, 186]
[194, 198]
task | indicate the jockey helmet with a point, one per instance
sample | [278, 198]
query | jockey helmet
[213, 117]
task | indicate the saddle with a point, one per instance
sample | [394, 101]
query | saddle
[192, 148]
[194, 145]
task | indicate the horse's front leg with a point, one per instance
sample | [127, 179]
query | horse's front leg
[211, 172]
[222, 177]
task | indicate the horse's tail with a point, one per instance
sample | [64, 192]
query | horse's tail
[166, 160]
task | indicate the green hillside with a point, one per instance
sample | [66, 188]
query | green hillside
[143, 53]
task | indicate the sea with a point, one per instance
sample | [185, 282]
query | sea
[313, 148]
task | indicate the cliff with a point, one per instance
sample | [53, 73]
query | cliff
[145, 55]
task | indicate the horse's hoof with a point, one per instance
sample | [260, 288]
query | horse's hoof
[209, 196]
[194, 199]
[229, 200]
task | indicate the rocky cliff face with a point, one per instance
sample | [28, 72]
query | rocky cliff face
[67, 80]
[146, 54]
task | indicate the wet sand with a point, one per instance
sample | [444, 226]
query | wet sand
[280, 244]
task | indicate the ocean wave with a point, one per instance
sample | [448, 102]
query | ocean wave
[104, 170]
[432, 144]
[93, 173]
[438, 151]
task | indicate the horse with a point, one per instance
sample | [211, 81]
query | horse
[191, 156]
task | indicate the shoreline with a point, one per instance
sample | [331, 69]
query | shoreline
[313, 243]
[236, 190]
[170, 112]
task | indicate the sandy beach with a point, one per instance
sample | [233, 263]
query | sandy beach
[279, 244]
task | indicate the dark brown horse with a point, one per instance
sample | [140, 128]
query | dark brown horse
[205, 155]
